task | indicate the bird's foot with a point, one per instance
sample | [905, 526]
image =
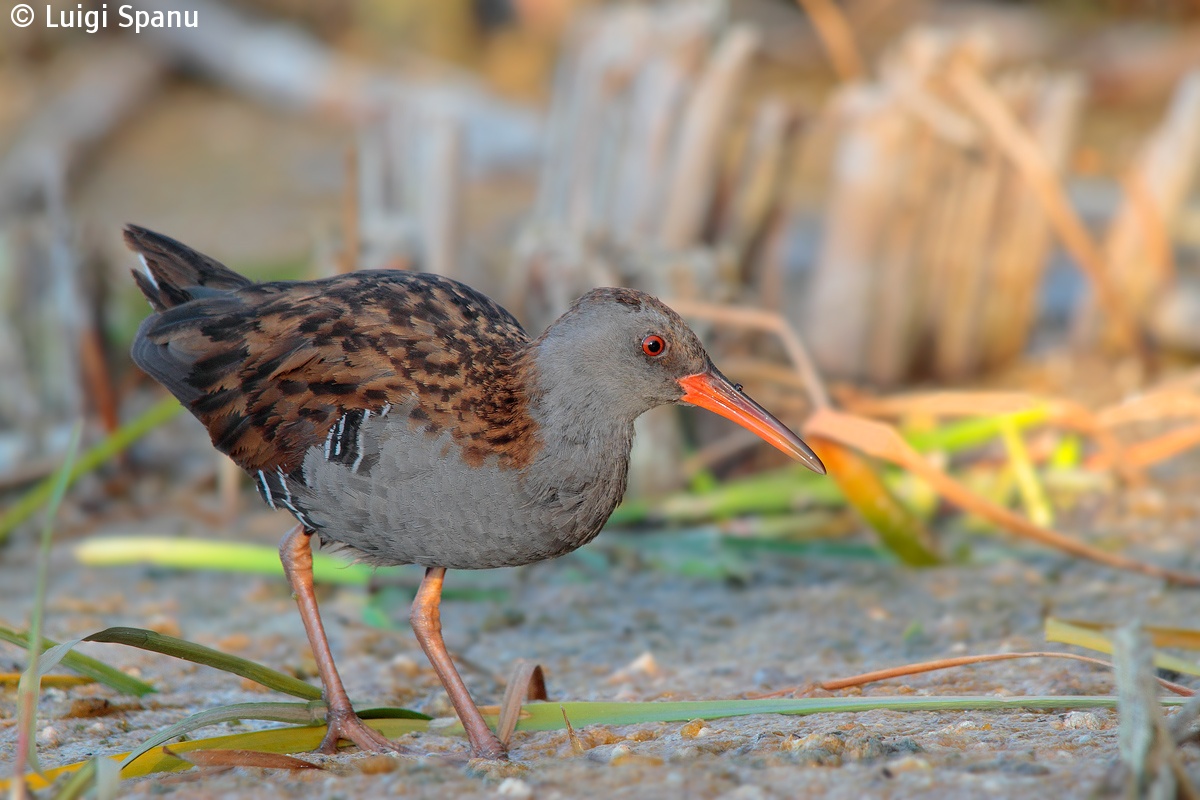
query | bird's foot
[347, 725]
[487, 747]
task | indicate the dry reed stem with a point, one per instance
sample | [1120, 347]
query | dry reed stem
[1176, 400]
[1016, 143]
[97, 376]
[837, 37]
[883, 441]
[576, 746]
[956, 350]
[756, 319]
[949, 663]
[694, 171]
[1166, 403]
[757, 192]
[895, 323]
[1151, 451]
[1156, 183]
[526, 683]
[1152, 228]
[1021, 239]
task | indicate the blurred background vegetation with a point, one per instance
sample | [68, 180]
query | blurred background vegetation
[996, 194]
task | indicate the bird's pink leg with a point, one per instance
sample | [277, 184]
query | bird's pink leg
[295, 552]
[426, 621]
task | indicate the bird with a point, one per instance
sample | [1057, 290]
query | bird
[406, 418]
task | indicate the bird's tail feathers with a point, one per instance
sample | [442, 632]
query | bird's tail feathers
[172, 272]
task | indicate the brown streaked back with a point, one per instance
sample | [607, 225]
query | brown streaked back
[270, 368]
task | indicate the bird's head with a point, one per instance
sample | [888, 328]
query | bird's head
[625, 352]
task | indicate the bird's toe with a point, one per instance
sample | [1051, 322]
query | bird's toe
[353, 729]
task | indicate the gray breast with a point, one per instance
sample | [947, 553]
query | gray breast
[383, 487]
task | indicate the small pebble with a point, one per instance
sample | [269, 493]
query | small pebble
[906, 764]
[1082, 720]
[406, 666]
[695, 729]
[816, 741]
[598, 735]
[48, 737]
[606, 754]
[643, 665]
[745, 792]
[514, 787]
[89, 707]
[377, 765]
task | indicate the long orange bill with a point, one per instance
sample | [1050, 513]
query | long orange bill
[712, 390]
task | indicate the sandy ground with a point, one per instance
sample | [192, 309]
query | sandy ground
[783, 622]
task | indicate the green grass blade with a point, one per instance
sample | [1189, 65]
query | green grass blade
[81, 782]
[120, 439]
[548, 716]
[29, 688]
[193, 554]
[199, 654]
[108, 779]
[774, 492]
[392, 713]
[966, 434]
[86, 665]
[178, 553]
[51, 658]
[1033, 493]
[98, 773]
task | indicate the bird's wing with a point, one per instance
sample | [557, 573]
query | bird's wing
[275, 369]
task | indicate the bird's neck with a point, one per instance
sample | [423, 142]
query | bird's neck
[585, 438]
[574, 412]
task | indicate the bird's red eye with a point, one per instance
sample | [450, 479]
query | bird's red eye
[654, 346]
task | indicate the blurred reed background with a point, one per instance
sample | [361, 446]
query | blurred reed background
[928, 192]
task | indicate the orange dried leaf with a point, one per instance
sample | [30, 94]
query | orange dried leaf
[240, 758]
[898, 528]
